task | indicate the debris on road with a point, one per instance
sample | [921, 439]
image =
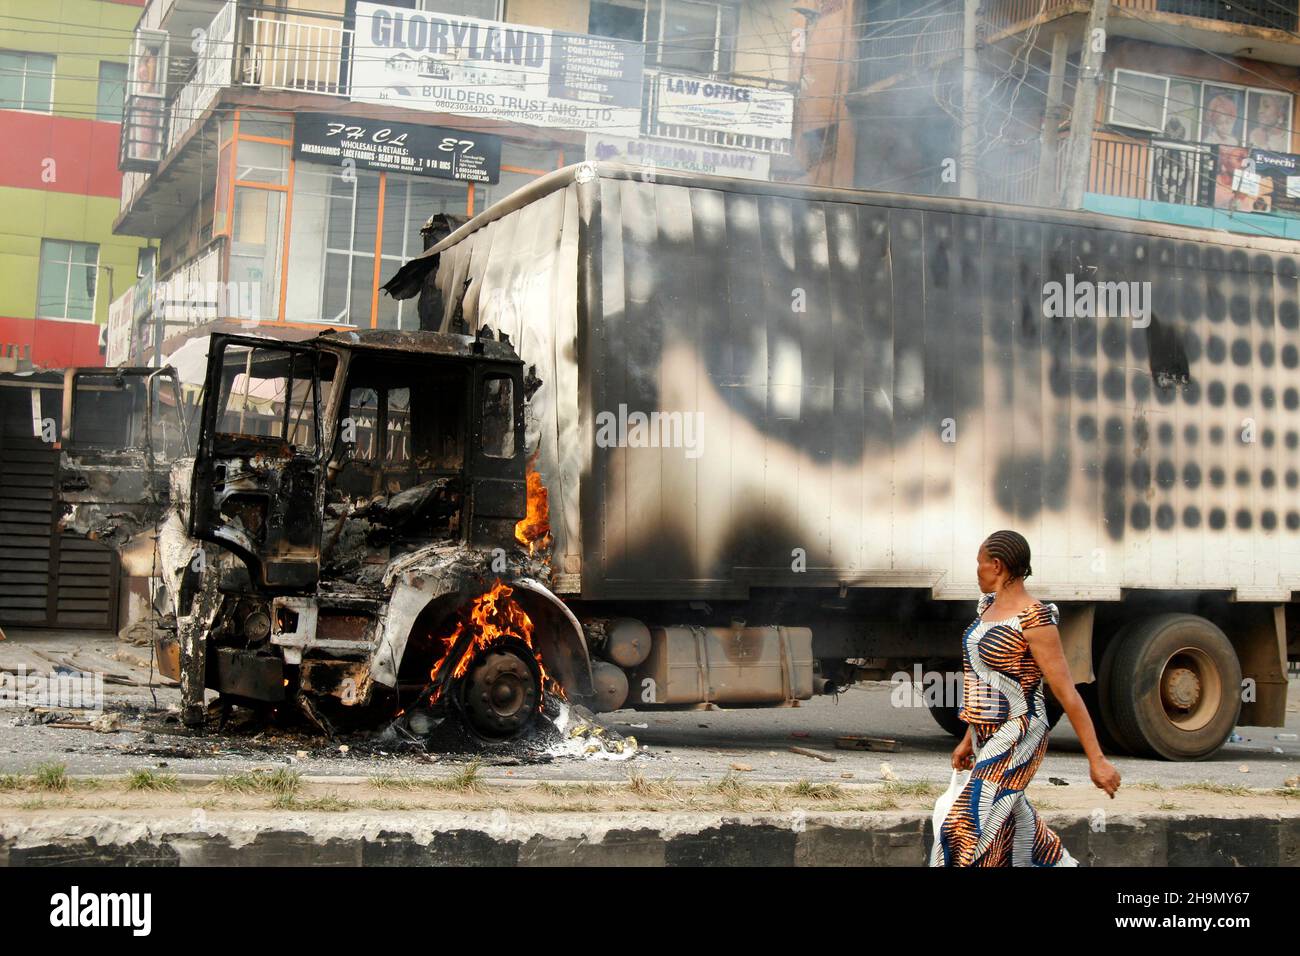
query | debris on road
[853, 742]
[816, 755]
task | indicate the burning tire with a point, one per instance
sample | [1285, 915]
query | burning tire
[500, 695]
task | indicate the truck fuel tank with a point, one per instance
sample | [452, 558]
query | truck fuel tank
[724, 665]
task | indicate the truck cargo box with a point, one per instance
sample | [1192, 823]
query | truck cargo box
[857, 387]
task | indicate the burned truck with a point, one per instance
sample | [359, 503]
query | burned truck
[770, 425]
[359, 496]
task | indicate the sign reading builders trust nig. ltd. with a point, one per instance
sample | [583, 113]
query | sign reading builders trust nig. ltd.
[530, 75]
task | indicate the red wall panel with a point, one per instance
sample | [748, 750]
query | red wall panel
[84, 153]
[54, 344]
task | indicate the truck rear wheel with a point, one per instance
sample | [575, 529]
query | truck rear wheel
[946, 717]
[1170, 687]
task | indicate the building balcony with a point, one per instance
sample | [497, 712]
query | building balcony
[891, 48]
[1191, 184]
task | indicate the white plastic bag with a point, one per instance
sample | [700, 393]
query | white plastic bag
[946, 799]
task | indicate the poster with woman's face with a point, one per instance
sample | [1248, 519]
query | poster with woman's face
[1269, 121]
[1221, 115]
[1183, 113]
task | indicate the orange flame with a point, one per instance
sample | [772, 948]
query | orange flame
[534, 531]
[491, 616]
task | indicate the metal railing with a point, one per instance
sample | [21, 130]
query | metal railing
[1000, 15]
[1276, 14]
[297, 54]
[890, 47]
[1181, 173]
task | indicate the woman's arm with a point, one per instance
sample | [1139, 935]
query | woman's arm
[1045, 645]
[963, 756]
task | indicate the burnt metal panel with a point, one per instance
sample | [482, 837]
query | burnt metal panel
[826, 336]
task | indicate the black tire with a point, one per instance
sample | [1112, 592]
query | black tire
[946, 717]
[1091, 700]
[1054, 710]
[1170, 687]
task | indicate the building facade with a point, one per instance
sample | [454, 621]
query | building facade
[285, 157]
[62, 78]
[1177, 111]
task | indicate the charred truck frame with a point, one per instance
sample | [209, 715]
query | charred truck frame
[371, 501]
[363, 490]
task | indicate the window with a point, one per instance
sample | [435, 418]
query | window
[483, 9]
[690, 35]
[619, 19]
[111, 93]
[26, 81]
[498, 417]
[1138, 100]
[1184, 110]
[66, 287]
[334, 235]
[268, 393]
[256, 231]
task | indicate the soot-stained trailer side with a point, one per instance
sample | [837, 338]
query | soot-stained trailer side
[874, 382]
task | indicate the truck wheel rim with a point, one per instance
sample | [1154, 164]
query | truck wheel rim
[1190, 689]
[500, 694]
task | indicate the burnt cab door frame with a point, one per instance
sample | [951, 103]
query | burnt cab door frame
[257, 468]
[495, 463]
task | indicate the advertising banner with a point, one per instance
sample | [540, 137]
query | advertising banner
[521, 74]
[724, 107]
[398, 147]
[688, 157]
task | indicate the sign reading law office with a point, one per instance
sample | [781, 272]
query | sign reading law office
[472, 67]
[398, 147]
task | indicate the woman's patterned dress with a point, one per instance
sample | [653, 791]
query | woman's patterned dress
[992, 822]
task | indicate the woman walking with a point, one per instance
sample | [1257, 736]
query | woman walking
[1007, 651]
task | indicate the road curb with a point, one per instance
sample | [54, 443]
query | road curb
[611, 839]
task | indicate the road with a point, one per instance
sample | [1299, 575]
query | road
[684, 745]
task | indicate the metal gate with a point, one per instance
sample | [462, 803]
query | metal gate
[47, 579]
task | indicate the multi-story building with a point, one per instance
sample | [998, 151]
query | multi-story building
[62, 75]
[1179, 111]
[286, 155]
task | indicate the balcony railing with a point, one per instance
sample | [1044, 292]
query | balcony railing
[891, 47]
[1275, 14]
[301, 54]
[999, 15]
[1181, 173]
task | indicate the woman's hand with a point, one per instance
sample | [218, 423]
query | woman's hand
[1104, 775]
[963, 758]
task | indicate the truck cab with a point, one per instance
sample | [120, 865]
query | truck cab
[357, 492]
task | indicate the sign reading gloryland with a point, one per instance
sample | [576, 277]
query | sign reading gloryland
[466, 66]
[398, 147]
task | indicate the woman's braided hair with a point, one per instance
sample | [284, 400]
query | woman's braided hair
[1011, 548]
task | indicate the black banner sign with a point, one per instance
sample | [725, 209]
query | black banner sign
[436, 151]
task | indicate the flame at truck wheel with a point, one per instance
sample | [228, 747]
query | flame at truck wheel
[534, 531]
[490, 618]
